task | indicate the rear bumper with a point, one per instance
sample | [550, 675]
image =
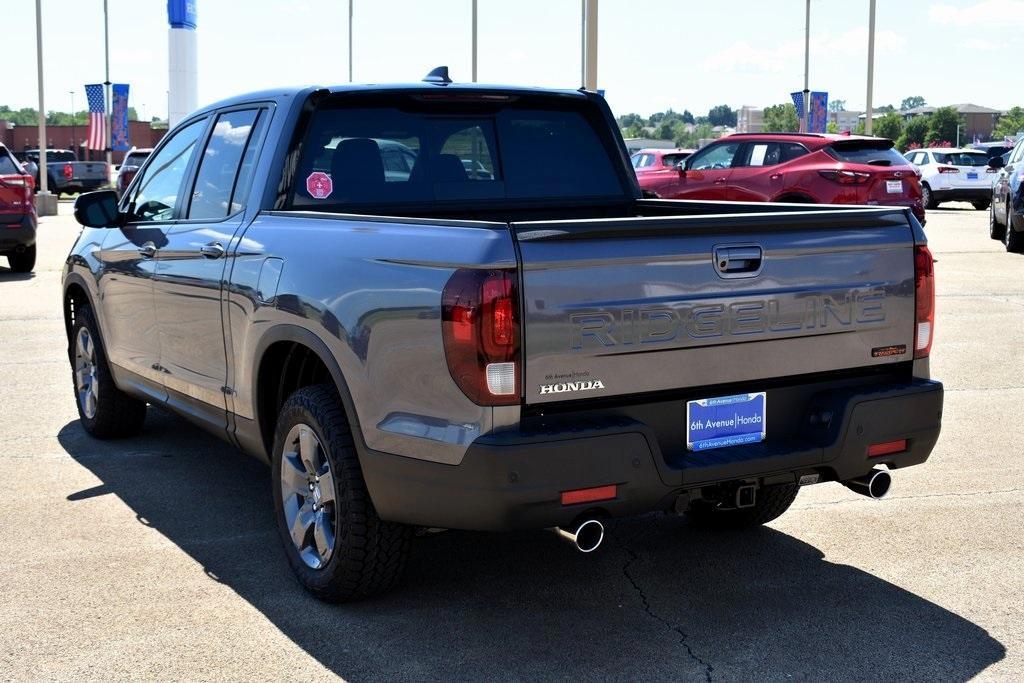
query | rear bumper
[17, 231]
[965, 194]
[514, 480]
[82, 184]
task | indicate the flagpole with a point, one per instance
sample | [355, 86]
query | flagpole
[106, 82]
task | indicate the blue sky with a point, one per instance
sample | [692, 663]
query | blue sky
[653, 54]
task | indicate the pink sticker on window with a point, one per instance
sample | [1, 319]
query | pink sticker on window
[319, 185]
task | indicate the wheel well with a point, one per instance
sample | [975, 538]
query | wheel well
[74, 298]
[285, 367]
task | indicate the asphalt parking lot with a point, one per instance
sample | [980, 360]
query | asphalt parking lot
[157, 558]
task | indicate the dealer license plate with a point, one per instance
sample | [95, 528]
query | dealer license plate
[971, 175]
[725, 421]
[894, 186]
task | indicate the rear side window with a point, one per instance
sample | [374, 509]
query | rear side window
[771, 153]
[388, 155]
[7, 165]
[870, 152]
[220, 163]
[673, 160]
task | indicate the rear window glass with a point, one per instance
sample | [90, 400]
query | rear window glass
[674, 159]
[962, 158]
[7, 165]
[387, 155]
[871, 153]
[59, 156]
[135, 159]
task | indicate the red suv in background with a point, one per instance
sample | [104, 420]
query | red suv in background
[17, 214]
[794, 167]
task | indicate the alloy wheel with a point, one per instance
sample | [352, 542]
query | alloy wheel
[86, 385]
[307, 495]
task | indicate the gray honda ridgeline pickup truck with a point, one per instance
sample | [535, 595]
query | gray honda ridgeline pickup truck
[445, 306]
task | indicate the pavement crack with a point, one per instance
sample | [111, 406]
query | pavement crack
[950, 494]
[683, 636]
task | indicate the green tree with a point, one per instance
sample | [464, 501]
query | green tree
[1011, 123]
[687, 116]
[888, 126]
[722, 115]
[942, 125]
[884, 109]
[837, 105]
[667, 129]
[911, 102]
[914, 132]
[832, 127]
[700, 132]
[781, 118]
[633, 131]
[627, 120]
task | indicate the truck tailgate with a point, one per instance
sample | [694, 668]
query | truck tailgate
[635, 305]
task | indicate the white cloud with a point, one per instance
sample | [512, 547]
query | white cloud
[994, 12]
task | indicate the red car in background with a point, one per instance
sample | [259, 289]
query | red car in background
[17, 214]
[794, 167]
[655, 167]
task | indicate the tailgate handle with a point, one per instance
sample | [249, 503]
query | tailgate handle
[738, 261]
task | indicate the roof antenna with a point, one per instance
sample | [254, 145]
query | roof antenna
[438, 75]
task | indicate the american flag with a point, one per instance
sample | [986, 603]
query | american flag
[97, 125]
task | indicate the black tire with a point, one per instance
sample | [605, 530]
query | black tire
[995, 230]
[772, 502]
[369, 554]
[980, 206]
[23, 262]
[927, 198]
[1013, 239]
[116, 413]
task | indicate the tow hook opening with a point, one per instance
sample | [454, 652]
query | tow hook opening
[746, 496]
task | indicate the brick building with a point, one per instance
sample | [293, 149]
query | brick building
[17, 138]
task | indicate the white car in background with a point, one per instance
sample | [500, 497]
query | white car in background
[949, 174]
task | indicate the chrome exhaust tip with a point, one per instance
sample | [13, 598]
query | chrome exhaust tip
[875, 484]
[587, 536]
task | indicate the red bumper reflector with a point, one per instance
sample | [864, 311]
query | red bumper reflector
[589, 495]
[887, 448]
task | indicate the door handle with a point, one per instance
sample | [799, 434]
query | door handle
[738, 261]
[147, 250]
[719, 181]
[775, 176]
[212, 250]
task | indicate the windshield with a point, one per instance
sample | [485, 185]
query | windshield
[870, 152]
[7, 165]
[962, 158]
[426, 154]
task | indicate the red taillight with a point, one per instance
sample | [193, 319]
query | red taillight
[24, 183]
[948, 169]
[589, 495]
[846, 177]
[887, 448]
[68, 171]
[924, 296]
[480, 327]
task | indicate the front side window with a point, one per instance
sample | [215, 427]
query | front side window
[673, 160]
[719, 155]
[159, 192]
[218, 169]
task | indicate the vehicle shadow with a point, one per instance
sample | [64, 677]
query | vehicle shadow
[8, 275]
[661, 599]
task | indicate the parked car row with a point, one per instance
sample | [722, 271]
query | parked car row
[786, 167]
[65, 173]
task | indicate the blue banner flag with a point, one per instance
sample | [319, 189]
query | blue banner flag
[119, 117]
[798, 102]
[818, 114]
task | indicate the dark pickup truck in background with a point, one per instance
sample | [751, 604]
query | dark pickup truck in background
[315, 276]
[67, 175]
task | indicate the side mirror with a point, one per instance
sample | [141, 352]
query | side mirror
[98, 209]
[996, 162]
[681, 168]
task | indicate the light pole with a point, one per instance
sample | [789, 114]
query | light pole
[46, 203]
[807, 66]
[474, 41]
[106, 81]
[350, 41]
[590, 44]
[869, 114]
[74, 145]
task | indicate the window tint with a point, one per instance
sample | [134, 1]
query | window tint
[791, 150]
[7, 165]
[867, 152]
[55, 155]
[635, 159]
[218, 168]
[714, 156]
[387, 155]
[1018, 152]
[135, 159]
[160, 188]
[962, 158]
